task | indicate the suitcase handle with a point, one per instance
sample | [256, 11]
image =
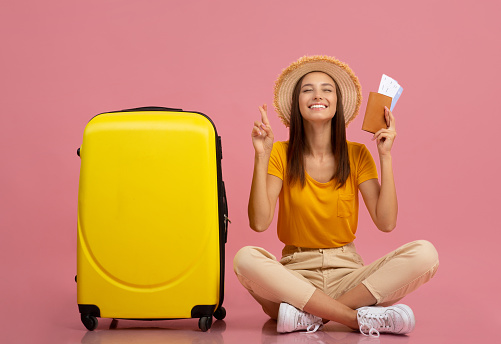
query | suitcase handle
[151, 108]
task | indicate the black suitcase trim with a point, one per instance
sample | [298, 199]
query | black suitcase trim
[203, 311]
[90, 310]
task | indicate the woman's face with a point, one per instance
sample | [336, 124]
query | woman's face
[317, 97]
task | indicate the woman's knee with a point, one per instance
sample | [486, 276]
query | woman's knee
[425, 254]
[241, 259]
[245, 260]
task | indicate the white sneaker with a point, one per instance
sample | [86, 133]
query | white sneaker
[398, 319]
[291, 319]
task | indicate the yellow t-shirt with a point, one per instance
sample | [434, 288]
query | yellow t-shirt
[318, 215]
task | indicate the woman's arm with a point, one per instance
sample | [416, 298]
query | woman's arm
[265, 188]
[263, 197]
[381, 200]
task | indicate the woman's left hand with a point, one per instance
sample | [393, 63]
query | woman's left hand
[385, 137]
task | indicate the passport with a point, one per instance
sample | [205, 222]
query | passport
[374, 113]
[388, 94]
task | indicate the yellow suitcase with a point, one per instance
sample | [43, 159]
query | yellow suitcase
[152, 217]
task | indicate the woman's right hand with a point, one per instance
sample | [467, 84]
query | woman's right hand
[262, 135]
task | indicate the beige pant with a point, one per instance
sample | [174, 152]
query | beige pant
[334, 271]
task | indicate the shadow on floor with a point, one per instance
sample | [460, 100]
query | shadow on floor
[125, 332]
[330, 333]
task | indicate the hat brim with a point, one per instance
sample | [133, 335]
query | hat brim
[346, 80]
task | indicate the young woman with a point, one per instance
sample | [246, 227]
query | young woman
[316, 176]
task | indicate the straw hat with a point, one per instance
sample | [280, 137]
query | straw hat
[345, 78]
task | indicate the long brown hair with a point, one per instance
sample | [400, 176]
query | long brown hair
[298, 145]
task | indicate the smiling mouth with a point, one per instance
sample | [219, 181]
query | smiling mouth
[318, 106]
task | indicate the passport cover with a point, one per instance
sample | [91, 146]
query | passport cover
[374, 113]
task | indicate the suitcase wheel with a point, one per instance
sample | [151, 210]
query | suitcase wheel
[205, 323]
[89, 321]
[220, 313]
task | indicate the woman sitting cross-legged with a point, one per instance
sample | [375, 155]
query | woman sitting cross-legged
[316, 177]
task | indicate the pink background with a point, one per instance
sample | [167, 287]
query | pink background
[62, 62]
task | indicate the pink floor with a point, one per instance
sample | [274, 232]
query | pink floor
[44, 310]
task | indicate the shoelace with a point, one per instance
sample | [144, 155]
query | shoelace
[316, 327]
[373, 322]
[306, 318]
